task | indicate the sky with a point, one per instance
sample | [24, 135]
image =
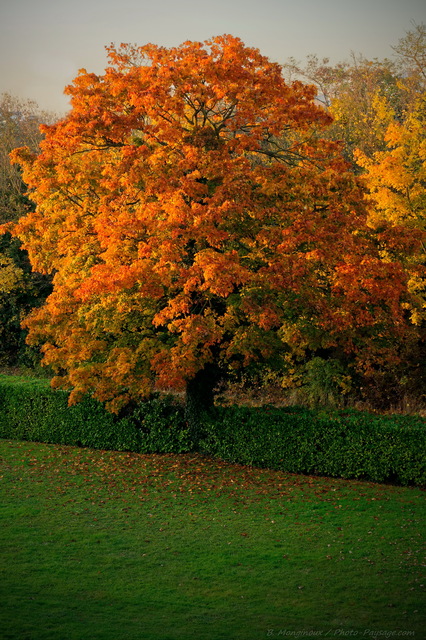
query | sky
[43, 43]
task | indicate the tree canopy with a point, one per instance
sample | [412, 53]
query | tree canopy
[196, 220]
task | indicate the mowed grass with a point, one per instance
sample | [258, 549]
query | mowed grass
[121, 546]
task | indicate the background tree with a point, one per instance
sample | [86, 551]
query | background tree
[363, 94]
[351, 92]
[20, 288]
[411, 58]
[378, 112]
[396, 181]
[196, 222]
[19, 125]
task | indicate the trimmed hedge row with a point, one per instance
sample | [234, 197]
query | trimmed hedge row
[31, 410]
[343, 444]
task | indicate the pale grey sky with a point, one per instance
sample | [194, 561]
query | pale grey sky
[43, 43]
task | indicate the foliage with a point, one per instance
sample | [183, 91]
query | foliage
[20, 288]
[195, 219]
[340, 444]
[30, 410]
[396, 179]
[325, 382]
[379, 114]
[355, 91]
[345, 444]
[350, 91]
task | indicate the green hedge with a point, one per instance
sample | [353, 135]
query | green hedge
[31, 410]
[343, 444]
[346, 444]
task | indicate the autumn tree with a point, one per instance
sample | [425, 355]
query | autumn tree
[354, 91]
[411, 58]
[350, 92]
[395, 176]
[396, 182]
[20, 288]
[376, 107]
[196, 222]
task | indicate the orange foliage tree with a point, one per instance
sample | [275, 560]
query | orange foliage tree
[196, 222]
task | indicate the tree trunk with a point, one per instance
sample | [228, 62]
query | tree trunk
[200, 398]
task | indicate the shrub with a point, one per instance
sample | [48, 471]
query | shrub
[162, 426]
[346, 444]
[342, 444]
[31, 410]
[324, 383]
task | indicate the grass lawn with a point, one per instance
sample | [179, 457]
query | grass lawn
[121, 546]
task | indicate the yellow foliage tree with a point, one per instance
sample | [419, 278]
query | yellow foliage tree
[396, 180]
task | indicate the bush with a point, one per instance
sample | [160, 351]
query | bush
[342, 444]
[31, 410]
[324, 383]
[162, 427]
[346, 444]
